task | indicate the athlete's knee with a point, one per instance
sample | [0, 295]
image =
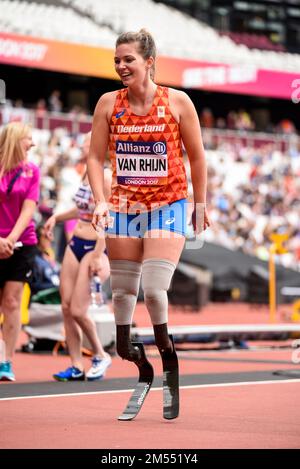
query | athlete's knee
[157, 274]
[125, 276]
[125, 349]
[156, 279]
[10, 302]
[76, 313]
[66, 308]
[125, 281]
[128, 352]
[122, 299]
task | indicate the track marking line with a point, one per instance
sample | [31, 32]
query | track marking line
[114, 391]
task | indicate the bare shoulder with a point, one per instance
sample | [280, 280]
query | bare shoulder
[106, 103]
[178, 97]
[180, 103]
[108, 97]
[106, 100]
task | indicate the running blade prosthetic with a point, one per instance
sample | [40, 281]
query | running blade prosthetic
[142, 388]
[170, 383]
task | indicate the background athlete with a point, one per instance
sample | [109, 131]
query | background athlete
[84, 257]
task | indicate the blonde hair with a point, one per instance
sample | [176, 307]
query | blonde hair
[11, 153]
[146, 45]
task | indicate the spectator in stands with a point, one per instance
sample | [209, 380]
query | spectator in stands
[77, 113]
[244, 121]
[231, 120]
[220, 123]
[6, 110]
[54, 102]
[19, 113]
[286, 126]
[84, 257]
[41, 108]
[19, 194]
[263, 200]
[207, 119]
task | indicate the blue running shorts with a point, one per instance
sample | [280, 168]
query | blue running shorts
[170, 218]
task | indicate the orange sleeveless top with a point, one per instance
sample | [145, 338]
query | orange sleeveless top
[146, 155]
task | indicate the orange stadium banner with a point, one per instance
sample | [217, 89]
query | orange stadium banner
[86, 60]
[27, 51]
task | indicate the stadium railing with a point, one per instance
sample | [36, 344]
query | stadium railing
[212, 137]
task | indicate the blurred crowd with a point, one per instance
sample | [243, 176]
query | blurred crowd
[18, 111]
[242, 120]
[239, 119]
[252, 192]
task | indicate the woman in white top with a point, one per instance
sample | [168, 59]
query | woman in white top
[84, 256]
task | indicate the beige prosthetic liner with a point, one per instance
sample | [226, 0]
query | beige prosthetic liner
[125, 281]
[156, 279]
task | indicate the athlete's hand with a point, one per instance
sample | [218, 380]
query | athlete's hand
[6, 248]
[95, 266]
[100, 217]
[200, 219]
[49, 226]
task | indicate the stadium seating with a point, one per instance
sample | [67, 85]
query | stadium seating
[254, 41]
[99, 23]
[53, 22]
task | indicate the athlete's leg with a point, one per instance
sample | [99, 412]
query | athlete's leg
[129, 249]
[68, 275]
[81, 300]
[157, 242]
[125, 263]
[161, 256]
[125, 256]
[11, 309]
[156, 278]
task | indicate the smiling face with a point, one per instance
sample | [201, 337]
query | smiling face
[15, 141]
[130, 65]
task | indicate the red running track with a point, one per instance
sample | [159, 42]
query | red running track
[253, 415]
[240, 416]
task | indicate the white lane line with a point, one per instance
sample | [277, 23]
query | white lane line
[196, 386]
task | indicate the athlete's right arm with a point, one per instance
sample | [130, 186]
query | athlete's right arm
[56, 218]
[99, 145]
[6, 248]
[97, 152]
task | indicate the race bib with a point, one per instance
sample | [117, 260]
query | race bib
[141, 163]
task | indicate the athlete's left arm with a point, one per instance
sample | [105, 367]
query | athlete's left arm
[99, 146]
[191, 137]
[26, 214]
[96, 259]
[107, 183]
